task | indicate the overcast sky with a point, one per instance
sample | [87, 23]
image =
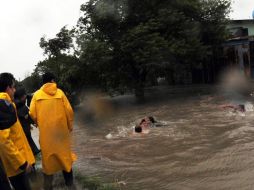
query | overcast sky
[24, 22]
[242, 9]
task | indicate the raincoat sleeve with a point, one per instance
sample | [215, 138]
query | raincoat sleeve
[9, 153]
[69, 112]
[32, 110]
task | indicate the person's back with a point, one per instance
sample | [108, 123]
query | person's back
[52, 112]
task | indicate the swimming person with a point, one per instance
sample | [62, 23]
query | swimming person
[237, 107]
[144, 125]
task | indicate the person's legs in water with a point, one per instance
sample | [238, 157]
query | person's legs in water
[68, 177]
[20, 182]
[48, 182]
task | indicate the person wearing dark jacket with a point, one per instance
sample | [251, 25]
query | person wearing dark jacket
[24, 117]
[7, 118]
[15, 153]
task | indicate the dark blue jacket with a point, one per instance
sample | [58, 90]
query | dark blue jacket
[8, 114]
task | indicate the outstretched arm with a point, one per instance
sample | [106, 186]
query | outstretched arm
[228, 106]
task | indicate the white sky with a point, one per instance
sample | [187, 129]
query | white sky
[24, 22]
[242, 9]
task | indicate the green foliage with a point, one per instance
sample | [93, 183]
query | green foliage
[124, 45]
[95, 58]
[213, 19]
[95, 183]
[149, 37]
[60, 62]
[66, 69]
[55, 46]
[32, 82]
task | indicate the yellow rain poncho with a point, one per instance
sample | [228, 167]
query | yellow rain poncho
[14, 148]
[53, 114]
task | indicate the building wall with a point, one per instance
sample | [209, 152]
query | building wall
[233, 25]
[237, 55]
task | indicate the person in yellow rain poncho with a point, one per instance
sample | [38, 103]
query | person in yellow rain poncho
[15, 153]
[52, 112]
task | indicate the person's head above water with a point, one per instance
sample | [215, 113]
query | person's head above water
[241, 107]
[138, 129]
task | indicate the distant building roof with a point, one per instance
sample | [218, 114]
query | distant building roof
[242, 21]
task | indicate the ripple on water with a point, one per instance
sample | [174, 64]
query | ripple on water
[200, 147]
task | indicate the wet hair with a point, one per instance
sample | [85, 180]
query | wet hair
[143, 120]
[138, 129]
[48, 77]
[242, 107]
[151, 119]
[6, 79]
[20, 92]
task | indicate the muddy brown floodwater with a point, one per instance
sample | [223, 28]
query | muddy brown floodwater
[199, 146]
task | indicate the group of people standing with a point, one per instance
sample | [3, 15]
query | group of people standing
[52, 113]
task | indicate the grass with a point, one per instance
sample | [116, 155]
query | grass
[94, 183]
[81, 181]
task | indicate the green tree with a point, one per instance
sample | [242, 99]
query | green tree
[213, 20]
[61, 61]
[32, 83]
[62, 43]
[125, 45]
[141, 40]
[66, 69]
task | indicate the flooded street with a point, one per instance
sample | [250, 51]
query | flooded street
[200, 145]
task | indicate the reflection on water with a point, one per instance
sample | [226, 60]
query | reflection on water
[201, 146]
